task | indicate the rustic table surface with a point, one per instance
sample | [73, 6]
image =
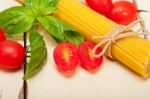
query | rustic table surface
[112, 81]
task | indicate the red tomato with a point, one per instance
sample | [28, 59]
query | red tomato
[123, 12]
[2, 35]
[66, 56]
[11, 55]
[101, 6]
[88, 61]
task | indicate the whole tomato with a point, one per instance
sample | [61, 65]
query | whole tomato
[123, 12]
[11, 55]
[101, 6]
[2, 35]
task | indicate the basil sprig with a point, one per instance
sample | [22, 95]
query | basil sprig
[20, 19]
[60, 31]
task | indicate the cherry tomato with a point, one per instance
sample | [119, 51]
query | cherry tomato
[123, 12]
[11, 55]
[66, 56]
[101, 6]
[87, 59]
[2, 35]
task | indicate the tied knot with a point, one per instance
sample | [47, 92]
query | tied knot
[119, 32]
[112, 38]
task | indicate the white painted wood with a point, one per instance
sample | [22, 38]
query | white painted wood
[10, 82]
[144, 5]
[112, 81]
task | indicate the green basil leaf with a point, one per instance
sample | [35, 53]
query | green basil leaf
[53, 26]
[36, 4]
[72, 35]
[49, 10]
[38, 55]
[16, 20]
[60, 31]
[53, 2]
[40, 7]
[56, 39]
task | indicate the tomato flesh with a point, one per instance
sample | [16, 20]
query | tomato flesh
[2, 35]
[87, 59]
[66, 56]
[11, 55]
[123, 12]
[101, 6]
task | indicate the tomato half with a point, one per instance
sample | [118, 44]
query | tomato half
[2, 35]
[11, 55]
[101, 6]
[66, 57]
[123, 12]
[87, 59]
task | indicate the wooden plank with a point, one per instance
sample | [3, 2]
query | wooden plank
[10, 82]
[112, 81]
[144, 15]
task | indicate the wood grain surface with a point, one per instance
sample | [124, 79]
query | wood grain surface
[112, 81]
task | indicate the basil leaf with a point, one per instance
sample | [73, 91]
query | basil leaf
[49, 10]
[53, 26]
[16, 20]
[60, 31]
[36, 4]
[38, 55]
[53, 2]
[72, 35]
[40, 7]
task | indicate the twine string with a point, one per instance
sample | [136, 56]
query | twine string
[117, 33]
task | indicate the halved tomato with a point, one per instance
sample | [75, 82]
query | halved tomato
[66, 56]
[87, 59]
